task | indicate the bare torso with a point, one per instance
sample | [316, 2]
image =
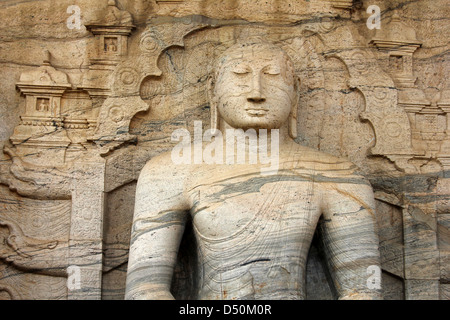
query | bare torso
[253, 231]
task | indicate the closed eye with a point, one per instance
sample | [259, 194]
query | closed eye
[241, 71]
[271, 70]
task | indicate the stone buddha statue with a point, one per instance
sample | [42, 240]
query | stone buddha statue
[253, 231]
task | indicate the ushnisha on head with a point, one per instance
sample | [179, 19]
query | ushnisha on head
[254, 86]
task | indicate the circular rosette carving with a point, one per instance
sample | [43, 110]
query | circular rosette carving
[392, 129]
[326, 24]
[227, 5]
[380, 93]
[128, 77]
[359, 63]
[127, 80]
[148, 44]
[116, 114]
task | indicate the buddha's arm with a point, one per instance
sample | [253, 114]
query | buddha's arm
[350, 238]
[158, 226]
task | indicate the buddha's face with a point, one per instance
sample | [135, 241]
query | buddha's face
[255, 87]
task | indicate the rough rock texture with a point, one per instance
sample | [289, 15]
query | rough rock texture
[84, 109]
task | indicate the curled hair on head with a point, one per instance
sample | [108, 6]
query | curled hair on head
[236, 48]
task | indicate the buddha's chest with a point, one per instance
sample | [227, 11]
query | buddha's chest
[252, 206]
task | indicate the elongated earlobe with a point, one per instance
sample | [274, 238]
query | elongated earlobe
[293, 116]
[293, 126]
[214, 118]
[213, 106]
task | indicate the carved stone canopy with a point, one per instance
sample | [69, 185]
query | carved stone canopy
[396, 35]
[111, 35]
[399, 41]
[43, 79]
[42, 122]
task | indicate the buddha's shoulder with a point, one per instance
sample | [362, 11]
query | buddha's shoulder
[163, 165]
[311, 159]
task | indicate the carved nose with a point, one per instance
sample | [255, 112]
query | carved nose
[256, 98]
[256, 95]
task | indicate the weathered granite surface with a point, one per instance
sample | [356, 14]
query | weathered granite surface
[84, 109]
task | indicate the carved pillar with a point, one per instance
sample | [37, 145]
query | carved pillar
[86, 229]
[421, 253]
[444, 104]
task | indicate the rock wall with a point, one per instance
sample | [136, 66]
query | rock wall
[91, 90]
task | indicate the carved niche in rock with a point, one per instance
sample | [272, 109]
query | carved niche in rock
[41, 125]
[111, 37]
